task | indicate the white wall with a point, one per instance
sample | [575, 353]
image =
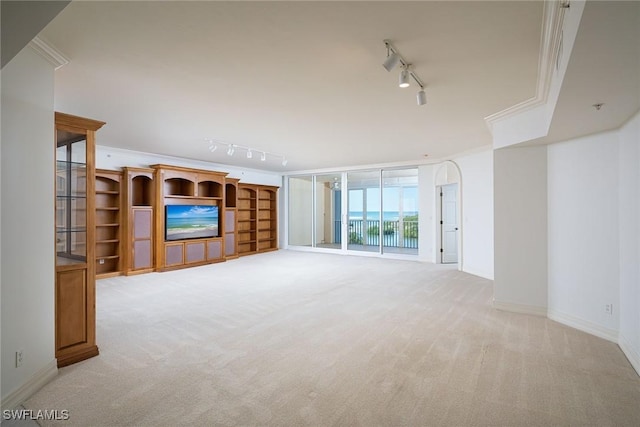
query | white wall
[583, 233]
[426, 219]
[477, 213]
[520, 229]
[28, 270]
[629, 232]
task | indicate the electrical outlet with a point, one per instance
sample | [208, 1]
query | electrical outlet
[19, 356]
[101, 261]
[608, 308]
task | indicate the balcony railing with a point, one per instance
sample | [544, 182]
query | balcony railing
[395, 234]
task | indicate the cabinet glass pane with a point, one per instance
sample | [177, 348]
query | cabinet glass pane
[71, 198]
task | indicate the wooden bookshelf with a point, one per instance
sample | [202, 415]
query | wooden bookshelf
[267, 218]
[257, 218]
[108, 223]
[247, 215]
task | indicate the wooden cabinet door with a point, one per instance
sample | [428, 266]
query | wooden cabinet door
[142, 238]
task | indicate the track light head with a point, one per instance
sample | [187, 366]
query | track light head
[230, 150]
[284, 161]
[392, 60]
[404, 78]
[249, 154]
[212, 147]
[263, 156]
[422, 97]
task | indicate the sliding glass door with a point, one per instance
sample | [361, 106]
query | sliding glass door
[364, 211]
[400, 211]
[328, 211]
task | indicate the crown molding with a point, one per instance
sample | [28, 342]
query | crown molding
[549, 61]
[49, 52]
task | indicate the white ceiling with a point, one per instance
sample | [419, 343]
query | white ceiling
[302, 79]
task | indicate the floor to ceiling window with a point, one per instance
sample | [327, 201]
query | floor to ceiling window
[372, 211]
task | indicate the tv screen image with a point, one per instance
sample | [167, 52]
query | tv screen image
[191, 222]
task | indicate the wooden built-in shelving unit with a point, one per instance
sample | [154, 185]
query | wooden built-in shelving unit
[131, 208]
[184, 186]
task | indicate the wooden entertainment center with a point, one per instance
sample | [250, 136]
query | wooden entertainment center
[131, 222]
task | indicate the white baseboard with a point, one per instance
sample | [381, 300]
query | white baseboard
[630, 352]
[35, 383]
[584, 326]
[520, 308]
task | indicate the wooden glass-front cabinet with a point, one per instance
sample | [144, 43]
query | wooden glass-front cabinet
[75, 238]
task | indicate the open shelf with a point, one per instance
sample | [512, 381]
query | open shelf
[178, 187]
[141, 190]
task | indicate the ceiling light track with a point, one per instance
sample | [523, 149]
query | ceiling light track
[232, 148]
[393, 59]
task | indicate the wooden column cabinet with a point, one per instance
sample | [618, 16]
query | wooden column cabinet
[75, 317]
[231, 218]
[108, 256]
[182, 245]
[138, 222]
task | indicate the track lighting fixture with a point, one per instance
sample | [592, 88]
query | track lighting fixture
[231, 149]
[394, 58]
[404, 78]
[422, 97]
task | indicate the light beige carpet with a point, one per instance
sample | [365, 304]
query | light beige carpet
[294, 338]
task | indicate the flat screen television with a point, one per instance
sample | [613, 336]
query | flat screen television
[191, 222]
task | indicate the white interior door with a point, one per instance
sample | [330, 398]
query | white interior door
[449, 223]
